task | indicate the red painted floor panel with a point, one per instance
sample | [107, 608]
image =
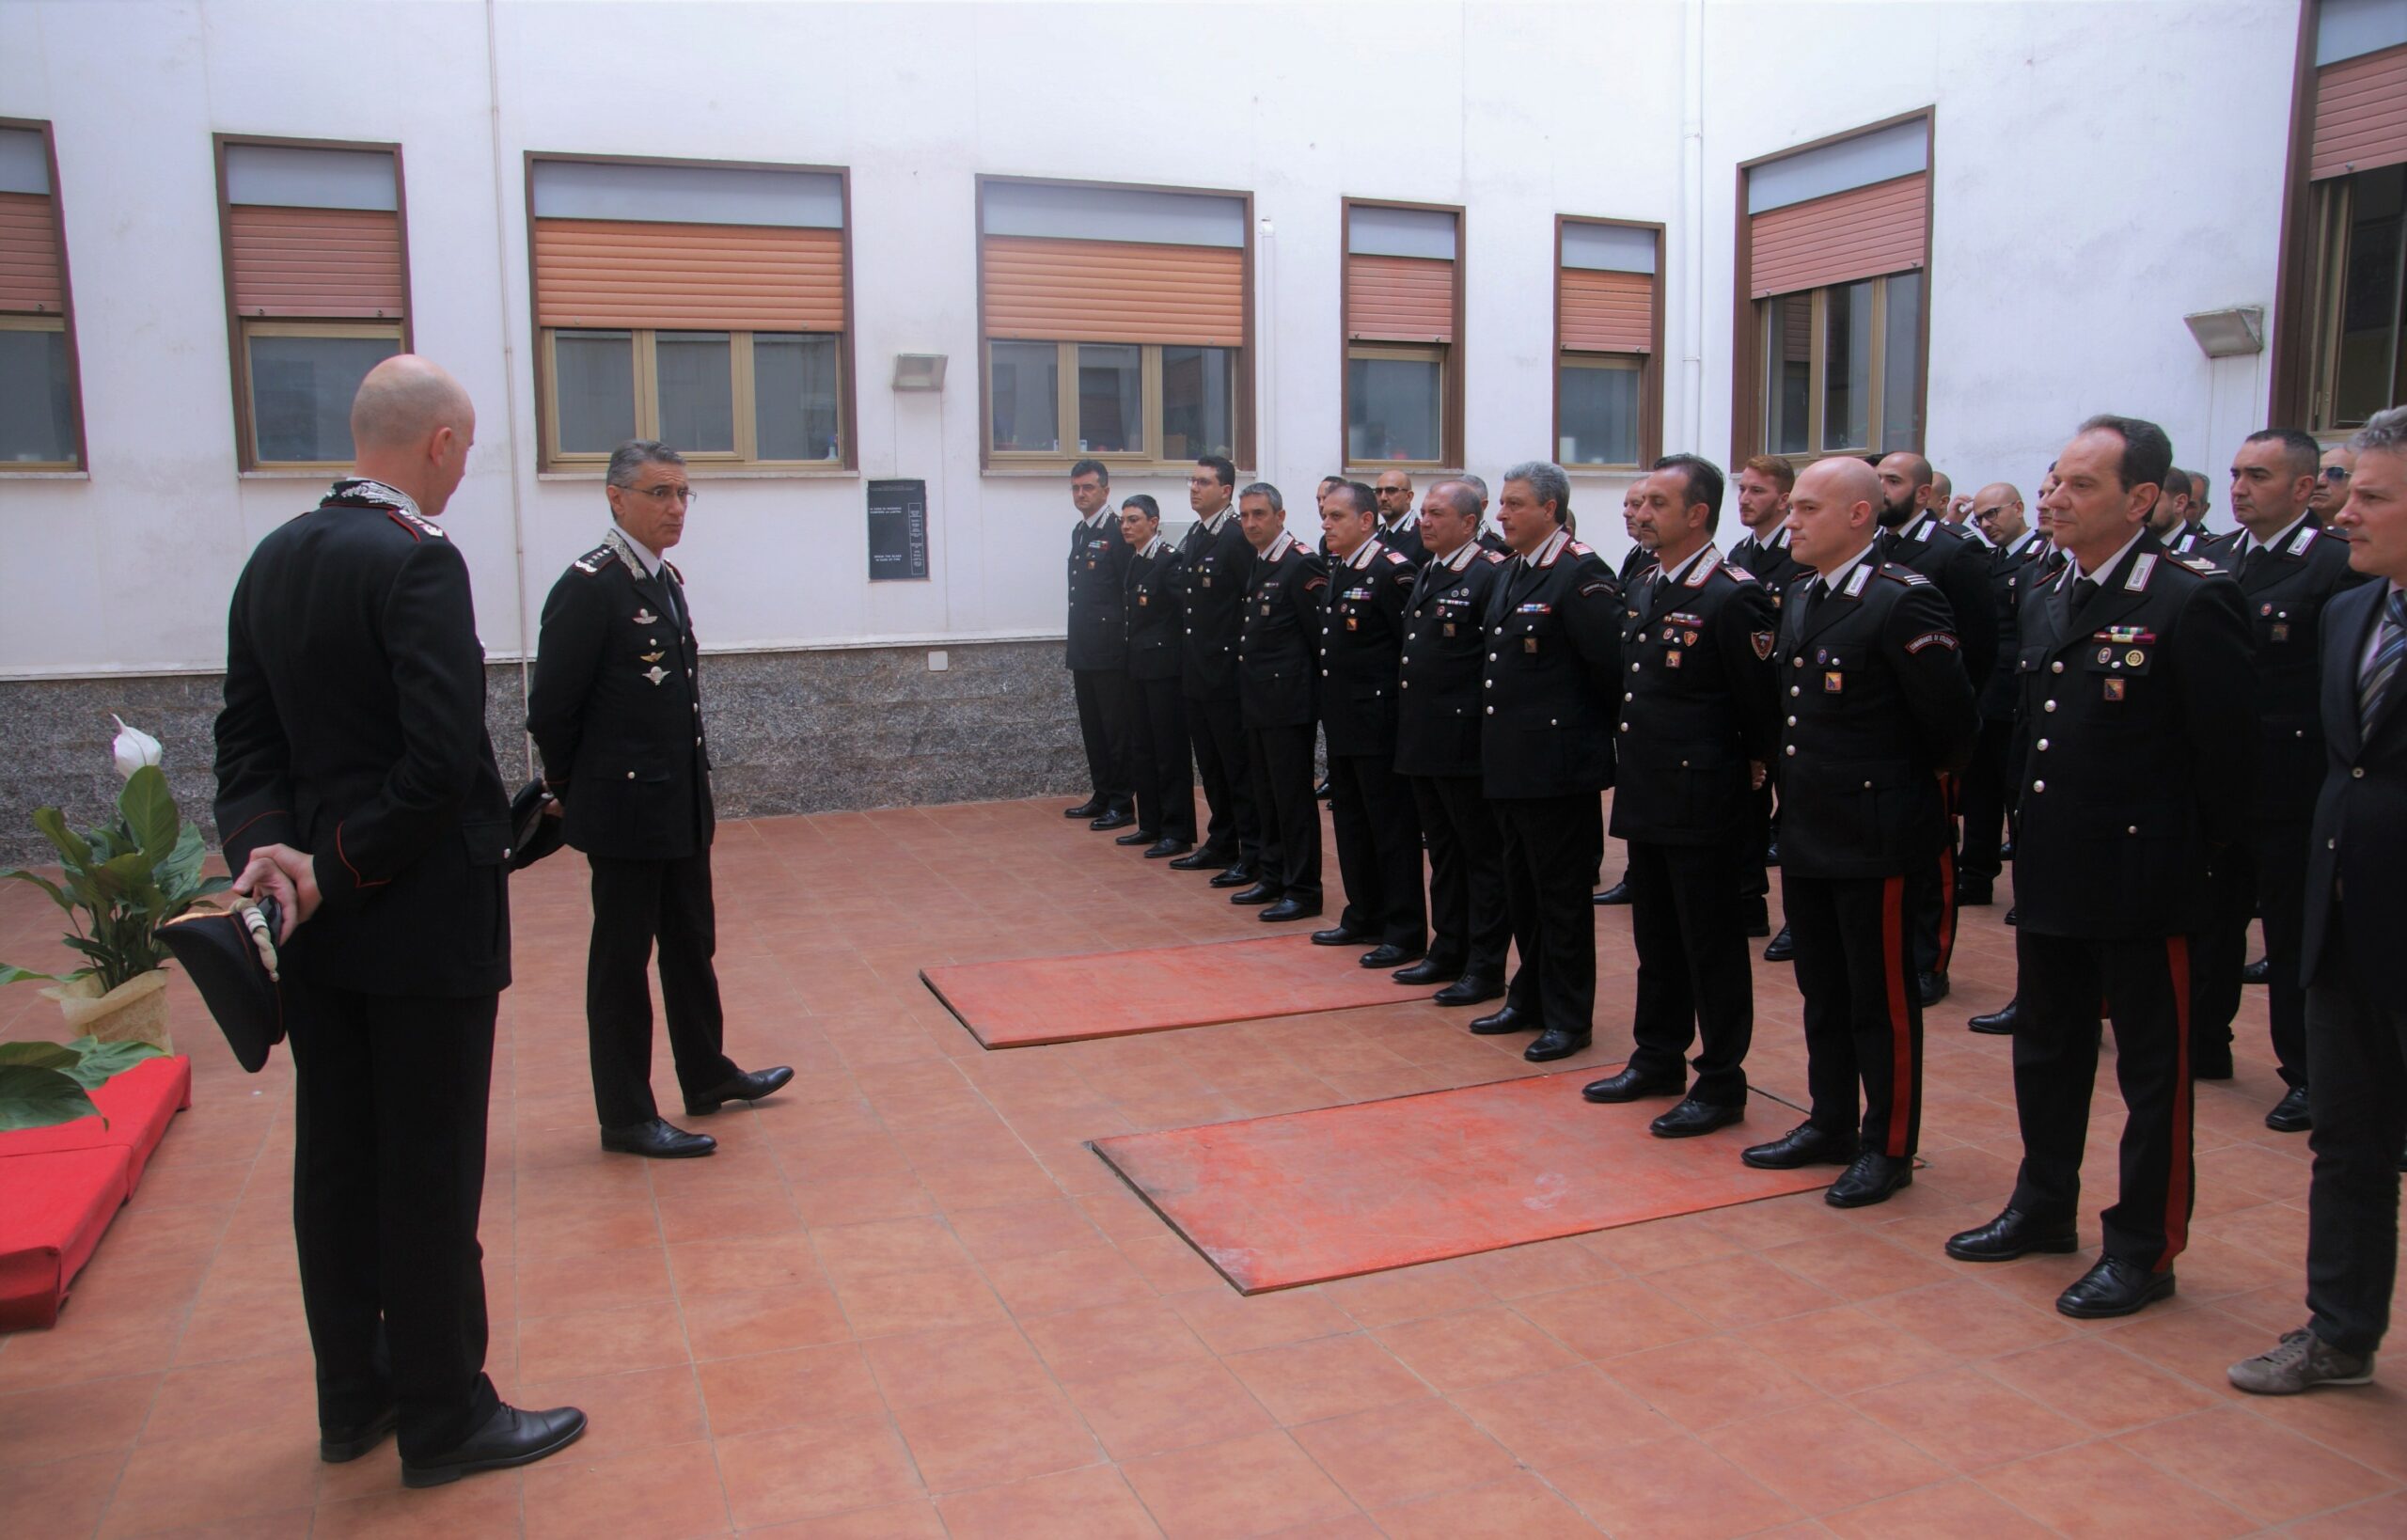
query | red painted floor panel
[1032, 1000]
[1309, 1196]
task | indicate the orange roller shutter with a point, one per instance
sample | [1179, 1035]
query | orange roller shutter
[1607, 312]
[1399, 299]
[323, 264]
[30, 256]
[1859, 233]
[2360, 113]
[1059, 290]
[700, 277]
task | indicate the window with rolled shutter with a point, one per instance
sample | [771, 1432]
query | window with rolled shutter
[2355, 243]
[1404, 310]
[1607, 390]
[40, 409]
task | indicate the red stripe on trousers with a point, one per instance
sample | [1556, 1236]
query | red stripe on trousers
[1901, 1043]
[1951, 795]
[2177, 1184]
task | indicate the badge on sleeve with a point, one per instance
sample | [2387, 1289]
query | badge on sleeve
[1762, 641]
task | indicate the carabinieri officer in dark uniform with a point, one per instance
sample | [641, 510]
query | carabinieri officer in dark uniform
[1097, 652]
[356, 783]
[1278, 668]
[1875, 710]
[1437, 749]
[1158, 717]
[1546, 750]
[2142, 748]
[1696, 730]
[1378, 831]
[1214, 562]
[615, 713]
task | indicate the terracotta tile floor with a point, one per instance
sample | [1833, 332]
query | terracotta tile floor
[904, 1299]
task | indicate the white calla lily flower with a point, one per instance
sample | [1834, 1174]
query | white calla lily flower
[134, 748]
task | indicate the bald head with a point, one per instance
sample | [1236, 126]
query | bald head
[410, 428]
[1998, 509]
[1833, 512]
[1904, 478]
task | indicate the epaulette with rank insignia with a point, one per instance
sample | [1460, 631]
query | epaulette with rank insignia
[1904, 574]
[1577, 549]
[417, 526]
[1396, 558]
[2199, 565]
[595, 561]
[1740, 573]
[1495, 559]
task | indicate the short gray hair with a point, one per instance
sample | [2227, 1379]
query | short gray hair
[1473, 482]
[1264, 489]
[1455, 493]
[633, 455]
[2386, 429]
[1546, 479]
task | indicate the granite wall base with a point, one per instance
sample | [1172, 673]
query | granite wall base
[790, 733]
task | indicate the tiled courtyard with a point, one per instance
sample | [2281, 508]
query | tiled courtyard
[905, 1300]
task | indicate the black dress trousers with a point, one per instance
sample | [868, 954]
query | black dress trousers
[1157, 762]
[633, 902]
[2220, 950]
[1549, 852]
[388, 1174]
[2357, 1063]
[1280, 760]
[1862, 1018]
[1695, 979]
[1986, 812]
[2280, 848]
[1377, 827]
[1468, 923]
[1103, 728]
[2145, 983]
[1232, 828]
[1931, 893]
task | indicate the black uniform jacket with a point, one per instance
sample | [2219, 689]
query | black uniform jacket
[1403, 538]
[1445, 643]
[615, 709]
[1098, 602]
[2194, 540]
[354, 729]
[2012, 571]
[1875, 707]
[1634, 563]
[2285, 592]
[2361, 815]
[1279, 648]
[1213, 572]
[1698, 703]
[1361, 638]
[1156, 625]
[2139, 723]
[1772, 564]
[1553, 674]
[1958, 566]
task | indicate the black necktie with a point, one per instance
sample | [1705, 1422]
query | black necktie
[2254, 560]
[2082, 591]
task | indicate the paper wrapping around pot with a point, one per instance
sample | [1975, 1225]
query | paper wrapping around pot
[135, 1011]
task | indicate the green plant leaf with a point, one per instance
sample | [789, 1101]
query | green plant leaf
[95, 1061]
[34, 1097]
[71, 845]
[57, 1056]
[148, 809]
[57, 894]
[10, 974]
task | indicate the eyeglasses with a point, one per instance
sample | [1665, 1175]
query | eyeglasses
[1985, 515]
[666, 493]
[2335, 473]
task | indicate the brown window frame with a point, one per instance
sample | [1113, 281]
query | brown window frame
[1748, 372]
[1650, 382]
[551, 459]
[993, 462]
[81, 464]
[1817, 393]
[239, 329]
[1452, 375]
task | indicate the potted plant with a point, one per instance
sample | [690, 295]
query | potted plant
[117, 884]
[43, 1084]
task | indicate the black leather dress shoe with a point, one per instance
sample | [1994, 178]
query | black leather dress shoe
[1320, 792]
[1870, 1178]
[1340, 934]
[2291, 1115]
[1235, 877]
[1135, 837]
[1803, 1145]
[341, 1448]
[1783, 947]
[1630, 1083]
[1389, 955]
[2011, 917]
[1167, 846]
[1771, 854]
[1118, 818]
[1692, 1117]
[2210, 1061]
[1932, 986]
[1201, 860]
[749, 1086]
[509, 1437]
[1429, 970]
[2012, 1234]
[1998, 1023]
[1288, 908]
[1091, 807]
[1470, 989]
[1973, 894]
[2257, 972]
[1617, 893]
[2114, 1287]
[2005, 851]
[658, 1139]
[1261, 892]
[1512, 1019]
[1554, 1042]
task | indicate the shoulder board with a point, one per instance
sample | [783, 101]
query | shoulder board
[418, 527]
[1577, 549]
[1740, 574]
[1495, 559]
[2197, 564]
[1397, 559]
[595, 561]
[1907, 575]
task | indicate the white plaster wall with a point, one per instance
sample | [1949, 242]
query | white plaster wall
[2101, 168]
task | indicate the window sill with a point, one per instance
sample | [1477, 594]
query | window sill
[294, 473]
[1414, 468]
[1133, 470]
[697, 472]
[44, 475]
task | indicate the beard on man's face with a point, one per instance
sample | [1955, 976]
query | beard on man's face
[1894, 514]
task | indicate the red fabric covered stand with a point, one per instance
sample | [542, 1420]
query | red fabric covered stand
[59, 1187]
